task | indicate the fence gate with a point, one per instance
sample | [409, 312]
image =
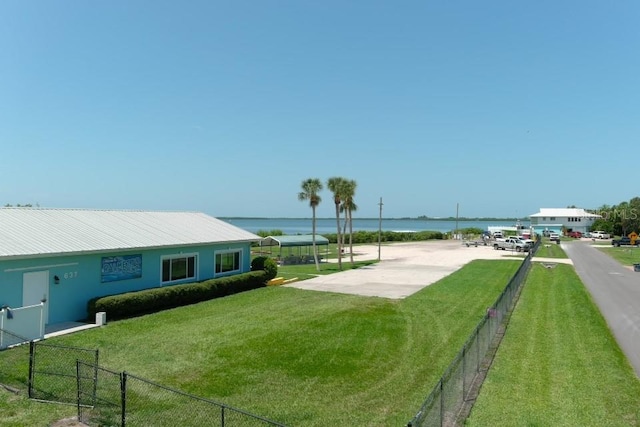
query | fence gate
[99, 395]
[52, 371]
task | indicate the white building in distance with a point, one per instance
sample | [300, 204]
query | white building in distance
[556, 220]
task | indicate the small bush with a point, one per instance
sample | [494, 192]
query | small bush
[270, 268]
[265, 264]
[133, 304]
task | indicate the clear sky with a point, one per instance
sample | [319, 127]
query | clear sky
[502, 107]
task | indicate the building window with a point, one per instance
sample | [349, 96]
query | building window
[553, 218]
[178, 267]
[228, 262]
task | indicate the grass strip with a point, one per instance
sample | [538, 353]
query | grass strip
[624, 255]
[558, 363]
[303, 358]
[548, 249]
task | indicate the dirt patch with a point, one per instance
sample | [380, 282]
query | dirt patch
[69, 422]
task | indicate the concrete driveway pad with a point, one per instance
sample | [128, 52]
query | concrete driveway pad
[403, 270]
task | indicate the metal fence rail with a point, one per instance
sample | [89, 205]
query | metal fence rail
[443, 405]
[121, 399]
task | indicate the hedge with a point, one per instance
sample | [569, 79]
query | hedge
[147, 301]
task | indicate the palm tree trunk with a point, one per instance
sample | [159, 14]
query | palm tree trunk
[313, 239]
[338, 236]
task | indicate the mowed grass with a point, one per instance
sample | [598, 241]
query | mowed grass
[302, 358]
[308, 271]
[558, 364]
[624, 255]
[548, 249]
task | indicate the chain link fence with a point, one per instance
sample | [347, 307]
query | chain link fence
[446, 402]
[9, 339]
[108, 398]
[52, 371]
[103, 397]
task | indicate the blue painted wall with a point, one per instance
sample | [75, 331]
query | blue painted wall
[81, 280]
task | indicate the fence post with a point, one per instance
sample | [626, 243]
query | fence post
[477, 350]
[123, 397]
[95, 377]
[78, 385]
[464, 373]
[32, 355]
[441, 401]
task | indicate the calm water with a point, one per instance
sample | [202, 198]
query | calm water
[328, 225]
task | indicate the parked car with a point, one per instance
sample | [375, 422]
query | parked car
[497, 234]
[624, 241]
[575, 234]
[526, 240]
[600, 235]
[554, 237]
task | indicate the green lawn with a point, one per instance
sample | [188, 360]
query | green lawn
[302, 358]
[548, 249]
[308, 271]
[558, 364]
[624, 255]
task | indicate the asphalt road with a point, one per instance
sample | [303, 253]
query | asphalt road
[616, 291]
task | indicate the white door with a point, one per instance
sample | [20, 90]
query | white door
[35, 288]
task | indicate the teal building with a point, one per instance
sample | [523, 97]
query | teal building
[62, 258]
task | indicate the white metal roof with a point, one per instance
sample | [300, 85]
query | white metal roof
[565, 213]
[28, 232]
[297, 240]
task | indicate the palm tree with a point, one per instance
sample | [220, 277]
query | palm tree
[310, 189]
[348, 205]
[336, 185]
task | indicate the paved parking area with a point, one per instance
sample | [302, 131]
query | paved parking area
[404, 269]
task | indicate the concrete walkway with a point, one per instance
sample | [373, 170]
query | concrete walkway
[65, 328]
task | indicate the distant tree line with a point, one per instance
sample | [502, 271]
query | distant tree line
[467, 218]
[621, 219]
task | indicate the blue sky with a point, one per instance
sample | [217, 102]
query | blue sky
[501, 107]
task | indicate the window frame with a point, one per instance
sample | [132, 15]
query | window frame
[175, 257]
[239, 254]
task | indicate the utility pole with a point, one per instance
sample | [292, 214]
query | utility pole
[457, 209]
[379, 228]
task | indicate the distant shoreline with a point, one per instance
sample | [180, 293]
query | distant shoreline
[460, 219]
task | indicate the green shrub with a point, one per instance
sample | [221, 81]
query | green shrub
[265, 264]
[270, 268]
[266, 233]
[133, 304]
[257, 263]
[389, 236]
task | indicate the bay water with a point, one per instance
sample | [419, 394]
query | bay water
[292, 226]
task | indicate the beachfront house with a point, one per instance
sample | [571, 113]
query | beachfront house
[53, 261]
[555, 220]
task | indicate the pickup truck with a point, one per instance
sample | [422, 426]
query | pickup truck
[512, 244]
[530, 242]
[624, 241]
[554, 237]
[599, 235]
